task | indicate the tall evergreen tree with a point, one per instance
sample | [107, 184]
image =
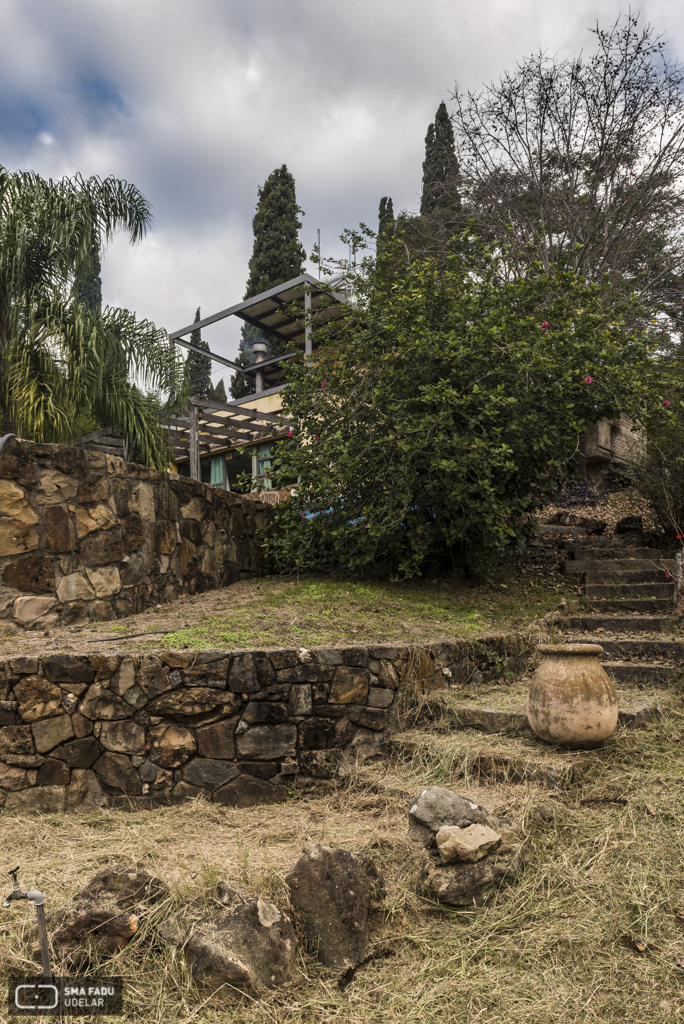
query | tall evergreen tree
[219, 394]
[277, 256]
[197, 367]
[385, 220]
[87, 287]
[440, 167]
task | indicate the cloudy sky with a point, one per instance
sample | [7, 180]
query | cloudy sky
[197, 102]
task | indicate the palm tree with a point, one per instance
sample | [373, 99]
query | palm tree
[58, 359]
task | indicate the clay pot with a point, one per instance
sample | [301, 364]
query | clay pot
[571, 701]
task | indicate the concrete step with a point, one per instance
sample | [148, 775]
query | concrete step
[613, 565]
[640, 671]
[623, 605]
[663, 590]
[592, 554]
[622, 623]
[622, 577]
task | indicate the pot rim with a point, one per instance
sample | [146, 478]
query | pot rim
[570, 649]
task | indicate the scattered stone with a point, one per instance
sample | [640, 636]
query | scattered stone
[249, 945]
[461, 885]
[335, 895]
[436, 807]
[466, 844]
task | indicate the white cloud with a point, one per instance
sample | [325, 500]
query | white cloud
[197, 102]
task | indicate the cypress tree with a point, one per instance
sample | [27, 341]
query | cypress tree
[197, 367]
[219, 394]
[277, 256]
[87, 286]
[385, 221]
[440, 167]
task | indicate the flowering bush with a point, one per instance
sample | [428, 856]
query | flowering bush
[447, 416]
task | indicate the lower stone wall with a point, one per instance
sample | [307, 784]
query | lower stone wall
[78, 732]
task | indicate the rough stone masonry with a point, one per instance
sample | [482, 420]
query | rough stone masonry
[85, 535]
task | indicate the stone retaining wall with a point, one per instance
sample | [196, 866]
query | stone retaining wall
[87, 536]
[78, 732]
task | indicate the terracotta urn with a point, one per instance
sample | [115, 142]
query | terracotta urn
[571, 701]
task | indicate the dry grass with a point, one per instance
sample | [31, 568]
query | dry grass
[273, 612]
[556, 946]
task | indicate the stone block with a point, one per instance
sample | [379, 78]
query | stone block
[13, 777]
[183, 792]
[207, 674]
[102, 548]
[303, 674]
[50, 732]
[248, 791]
[194, 509]
[16, 739]
[369, 718]
[196, 700]
[93, 487]
[267, 742]
[218, 740]
[82, 752]
[317, 734]
[55, 487]
[258, 712]
[266, 770]
[58, 530]
[14, 502]
[328, 656]
[133, 532]
[171, 745]
[89, 520]
[73, 461]
[17, 463]
[101, 704]
[105, 582]
[34, 574]
[142, 501]
[75, 613]
[84, 793]
[242, 676]
[350, 685]
[280, 693]
[82, 726]
[24, 666]
[37, 697]
[117, 772]
[125, 678]
[120, 494]
[283, 658]
[379, 697]
[28, 610]
[67, 668]
[264, 669]
[38, 800]
[123, 737]
[388, 675]
[187, 565]
[191, 530]
[53, 773]
[209, 774]
[355, 656]
[74, 587]
[301, 701]
[16, 538]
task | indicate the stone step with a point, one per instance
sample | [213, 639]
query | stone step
[623, 577]
[650, 649]
[640, 671]
[632, 713]
[622, 623]
[645, 605]
[607, 540]
[614, 565]
[663, 590]
[592, 554]
[556, 530]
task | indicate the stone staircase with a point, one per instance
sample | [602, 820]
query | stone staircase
[628, 604]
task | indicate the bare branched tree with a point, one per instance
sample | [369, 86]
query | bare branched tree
[580, 163]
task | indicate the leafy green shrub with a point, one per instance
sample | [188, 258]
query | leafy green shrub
[445, 408]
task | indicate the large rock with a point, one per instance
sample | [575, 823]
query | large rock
[107, 913]
[466, 844]
[349, 686]
[242, 676]
[74, 588]
[196, 700]
[50, 732]
[29, 611]
[248, 791]
[267, 742]
[248, 945]
[16, 537]
[58, 529]
[13, 503]
[171, 745]
[466, 884]
[436, 807]
[105, 582]
[218, 740]
[102, 705]
[208, 774]
[117, 772]
[334, 895]
[79, 753]
[38, 800]
[34, 574]
[123, 737]
[16, 739]
[65, 668]
[38, 698]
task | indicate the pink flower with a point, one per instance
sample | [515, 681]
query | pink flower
[667, 573]
[679, 536]
[545, 324]
[315, 437]
[666, 402]
[324, 382]
[289, 433]
[588, 380]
